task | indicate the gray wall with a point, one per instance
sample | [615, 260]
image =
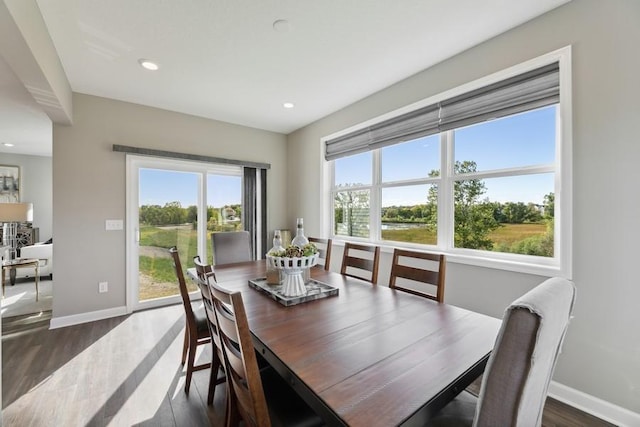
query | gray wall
[36, 176]
[602, 351]
[89, 187]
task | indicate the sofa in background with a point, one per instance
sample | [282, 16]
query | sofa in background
[42, 251]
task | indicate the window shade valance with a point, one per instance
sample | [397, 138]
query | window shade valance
[185, 156]
[533, 89]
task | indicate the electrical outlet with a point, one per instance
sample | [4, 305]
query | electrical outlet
[103, 287]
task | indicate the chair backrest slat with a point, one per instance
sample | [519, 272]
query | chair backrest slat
[182, 286]
[362, 264]
[417, 274]
[324, 249]
[423, 267]
[206, 276]
[365, 268]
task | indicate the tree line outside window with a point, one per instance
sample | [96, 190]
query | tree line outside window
[226, 218]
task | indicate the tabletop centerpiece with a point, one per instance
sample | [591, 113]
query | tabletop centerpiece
[293, 261]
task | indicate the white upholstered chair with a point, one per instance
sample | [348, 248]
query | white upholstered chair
[516, 379]
[230, 247]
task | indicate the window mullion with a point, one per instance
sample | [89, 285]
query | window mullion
[332, 200]
[445, 191]
[375, 199]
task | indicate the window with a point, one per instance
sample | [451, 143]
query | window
[352, 195]
[503, 171]
[409, 184]
[478, 175]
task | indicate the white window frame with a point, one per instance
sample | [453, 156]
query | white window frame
[559, 265]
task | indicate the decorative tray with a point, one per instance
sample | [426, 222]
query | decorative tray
[315, 290]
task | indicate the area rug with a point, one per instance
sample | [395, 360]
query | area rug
[20, 299]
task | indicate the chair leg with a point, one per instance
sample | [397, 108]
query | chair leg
[214, 381]
[213, 377]
[185, 346]
[190, 362]
[232, 416]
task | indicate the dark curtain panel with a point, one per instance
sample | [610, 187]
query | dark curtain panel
[263, 211]
[249, 205]
[254, 215]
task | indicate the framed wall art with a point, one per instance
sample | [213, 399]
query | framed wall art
[9, 184]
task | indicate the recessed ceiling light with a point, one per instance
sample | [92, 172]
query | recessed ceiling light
[7, 144]
[149, 65]
[288, 105]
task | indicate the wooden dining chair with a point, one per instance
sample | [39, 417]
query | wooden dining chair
[206, 275]
[361, 261]
[517, 376]
[259, 398]
[418, 273]
[230, 247]
[324, 248]
[196, 330]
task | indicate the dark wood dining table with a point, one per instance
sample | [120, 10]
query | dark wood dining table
[369, 356]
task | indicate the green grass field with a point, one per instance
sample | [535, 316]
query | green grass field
[411, 235]
[157, 276]
[507, 234]
[511, 233]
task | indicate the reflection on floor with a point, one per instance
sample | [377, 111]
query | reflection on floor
[26, 323]
[120, 371]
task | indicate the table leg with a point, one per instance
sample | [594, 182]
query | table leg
[3, 281]
[12, 276]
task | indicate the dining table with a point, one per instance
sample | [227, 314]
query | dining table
[369, 355]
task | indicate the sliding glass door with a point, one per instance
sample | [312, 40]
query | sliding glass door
[174, 203]
[167, 216]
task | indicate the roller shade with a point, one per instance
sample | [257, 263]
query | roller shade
[412, 125]
[348, 145]
[533, 89]
[528, 91]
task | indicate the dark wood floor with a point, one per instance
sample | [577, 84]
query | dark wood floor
[122, 372]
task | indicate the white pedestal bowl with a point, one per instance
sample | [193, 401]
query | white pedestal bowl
[293, 268]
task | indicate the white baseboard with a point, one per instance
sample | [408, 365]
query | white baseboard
[76, 319]
[592, 405]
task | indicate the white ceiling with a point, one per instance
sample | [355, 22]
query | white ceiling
[224, 60]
